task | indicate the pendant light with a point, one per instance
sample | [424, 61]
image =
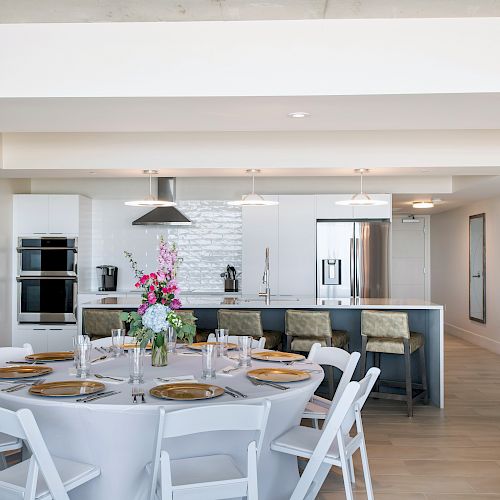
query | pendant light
[150, 201]
[253, 199]
[361, 199]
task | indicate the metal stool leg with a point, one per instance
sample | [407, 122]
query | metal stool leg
[376, 362]
[362, 366]
[409, 388]
[423, 371]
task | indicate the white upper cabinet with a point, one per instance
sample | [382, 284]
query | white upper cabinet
[297, 245]
[260, 230]
[46, 214]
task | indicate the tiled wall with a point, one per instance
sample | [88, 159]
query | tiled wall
[206, 247]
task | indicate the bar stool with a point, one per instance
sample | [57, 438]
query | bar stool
[97, 323]
[388, 332]
[305, 328]
[247, 323]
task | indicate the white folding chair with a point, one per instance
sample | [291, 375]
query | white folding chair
[317, 408]
[10, 443]
[333, 445]
[211, 476]
[58, 475]
[108, 341]
[256, 344]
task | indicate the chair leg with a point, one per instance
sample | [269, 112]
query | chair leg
[362, 367]
[423, 371]
[347, 479]
[319, 479]
[351, 470]
[366, 470]
[409, 388]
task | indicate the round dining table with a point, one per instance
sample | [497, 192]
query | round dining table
[118, 435]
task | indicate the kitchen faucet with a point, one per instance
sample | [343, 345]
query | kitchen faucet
[265, 280]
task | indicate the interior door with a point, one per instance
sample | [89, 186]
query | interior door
[372, 259]
[477, 268]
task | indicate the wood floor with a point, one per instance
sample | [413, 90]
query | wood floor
[450, 454]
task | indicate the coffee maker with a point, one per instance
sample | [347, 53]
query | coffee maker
[106, 278]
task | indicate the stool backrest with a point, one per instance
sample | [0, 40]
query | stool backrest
[21, 424]
[240, 322]
[99, 322]
[338, 358]
[308, 324]
[14, 353]
[385, 324]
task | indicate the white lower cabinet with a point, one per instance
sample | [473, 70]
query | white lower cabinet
[45, 338]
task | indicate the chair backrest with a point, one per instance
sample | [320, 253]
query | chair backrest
[99, 322]
[108, 341]
[14, 353]
[365, 387]
[338, 358]
[308, 324]
[22, 425]
[240, 322]
[385, 324]
[256, 344]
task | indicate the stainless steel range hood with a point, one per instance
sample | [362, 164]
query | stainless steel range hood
[164, 216]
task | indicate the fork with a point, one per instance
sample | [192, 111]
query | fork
[137, 392]
[18, 387]
[270, 384]
[98, 375]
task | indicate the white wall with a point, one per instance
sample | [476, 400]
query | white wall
[450, 271]
[8, 187]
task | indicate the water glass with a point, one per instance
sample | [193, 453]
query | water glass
[245, 351]
[222, 338]
[136, 365]
[82, 349]
[118, 341]
[208, 361]
[171, 339]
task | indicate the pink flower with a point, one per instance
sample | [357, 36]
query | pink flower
[137, 285]
[142, 309]
[175, 304]
[144, 278]
[151, 298]
[152, 276]
[161, 276]
[151, 288]
[163, 301]
[164, 290]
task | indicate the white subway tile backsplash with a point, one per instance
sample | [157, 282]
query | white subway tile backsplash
[206, 247]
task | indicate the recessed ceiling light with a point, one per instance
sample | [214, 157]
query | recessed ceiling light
[299, 114]
[423, 204]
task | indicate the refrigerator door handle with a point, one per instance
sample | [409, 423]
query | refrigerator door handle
[358, 267]
[352, 266]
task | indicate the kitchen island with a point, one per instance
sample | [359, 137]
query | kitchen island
[424, 317]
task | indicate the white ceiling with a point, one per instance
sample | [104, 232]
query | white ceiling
[33, 11]
[377, 112]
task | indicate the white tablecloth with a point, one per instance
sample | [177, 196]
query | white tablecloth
[118, 436]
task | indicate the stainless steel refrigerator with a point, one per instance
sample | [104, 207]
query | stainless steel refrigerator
[352, 259]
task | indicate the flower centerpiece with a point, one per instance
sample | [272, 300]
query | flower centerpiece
[159, 305]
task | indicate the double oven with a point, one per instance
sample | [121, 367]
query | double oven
[47, 279]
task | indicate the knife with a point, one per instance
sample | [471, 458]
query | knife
[238, 393]
[26, 362]
[272, 384]
[92, 397]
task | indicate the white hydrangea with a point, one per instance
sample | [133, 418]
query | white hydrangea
[155, 318]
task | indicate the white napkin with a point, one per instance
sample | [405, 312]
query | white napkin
[174, 380]
[233, 370]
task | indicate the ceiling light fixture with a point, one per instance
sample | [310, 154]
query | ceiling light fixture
[150, 201]
[253, 199]
[361, 199]
[423, 204]
[299, 114]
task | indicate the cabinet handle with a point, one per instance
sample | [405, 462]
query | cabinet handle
[39, 329]
[56, 329]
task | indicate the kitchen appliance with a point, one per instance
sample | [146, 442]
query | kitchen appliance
[47, 256]
[352, 259]
[230, 280]
[107, 277]
[46, 299]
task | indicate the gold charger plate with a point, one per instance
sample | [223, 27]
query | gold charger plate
[131, 345]
[277, 356]
[188, 391]
[278, 374]
[198, 345]
[24, 371]
[51, 356]
[67, 388]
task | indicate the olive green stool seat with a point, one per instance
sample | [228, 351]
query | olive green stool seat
[305, 328]
[247, 323]
[387, 332]
[98, 323]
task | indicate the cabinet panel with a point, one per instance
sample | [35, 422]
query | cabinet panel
[297, 245]
[63, 214]
[31, 212]
[60, 339]
[36, 337]
[260, 230]
[327, 209]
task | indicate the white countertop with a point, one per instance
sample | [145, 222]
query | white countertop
[278, 302]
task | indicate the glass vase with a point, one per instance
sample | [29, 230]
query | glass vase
[159, 351]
